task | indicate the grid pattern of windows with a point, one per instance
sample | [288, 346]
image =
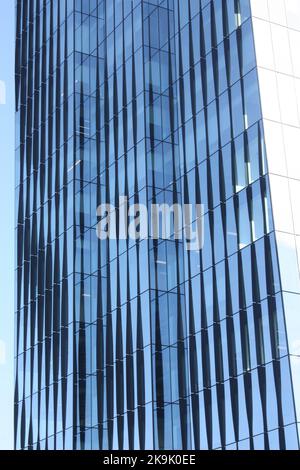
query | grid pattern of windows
[276, 27]
[143, 344]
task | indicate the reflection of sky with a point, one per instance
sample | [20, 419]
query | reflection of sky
[7, 221]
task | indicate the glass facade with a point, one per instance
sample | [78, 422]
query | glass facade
[124, 344]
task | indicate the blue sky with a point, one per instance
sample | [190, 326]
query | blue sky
[7, 222]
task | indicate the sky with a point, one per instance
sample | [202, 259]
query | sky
[7, 222]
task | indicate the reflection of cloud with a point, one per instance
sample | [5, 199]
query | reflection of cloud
[2, 353]
[2, 92]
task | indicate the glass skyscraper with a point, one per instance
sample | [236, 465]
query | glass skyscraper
[124, 344]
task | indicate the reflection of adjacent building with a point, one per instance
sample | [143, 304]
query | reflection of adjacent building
[277, 37]
[147, 345]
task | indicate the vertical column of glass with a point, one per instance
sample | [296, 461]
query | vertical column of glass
[113, 392]
[22, 182]
[169, 354]
[123, 352]
[235, 323]
[44, 271]
[88, 27]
